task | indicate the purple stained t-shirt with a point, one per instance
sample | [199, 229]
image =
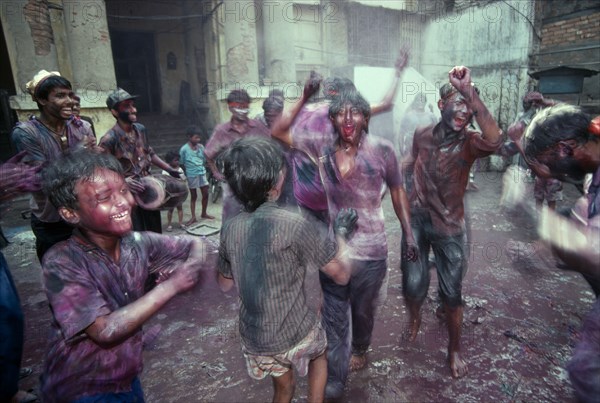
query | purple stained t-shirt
[223, 135]
[375, 169]
[83, 283]
[311, 131]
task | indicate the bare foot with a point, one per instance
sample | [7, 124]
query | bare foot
[208, 217]
[358, 362]
[191, 221]
[457, 365]
[413, 330]
[24, 397]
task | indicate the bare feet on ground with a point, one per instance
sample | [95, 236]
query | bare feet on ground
[413, 330]
[457, 365]
[440, 312]
[207, 216]
[24, 397]
[191, 221]
[358, 362]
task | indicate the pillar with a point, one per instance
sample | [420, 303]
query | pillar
[238, 19]
[279, 38]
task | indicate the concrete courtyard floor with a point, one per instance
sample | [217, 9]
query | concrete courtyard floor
[521, 321]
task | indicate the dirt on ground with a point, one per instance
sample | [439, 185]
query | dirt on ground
[522, 317]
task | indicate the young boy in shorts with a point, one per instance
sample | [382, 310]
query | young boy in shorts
[172, 158]
[94, 282]
[193, 161]
[269, 251]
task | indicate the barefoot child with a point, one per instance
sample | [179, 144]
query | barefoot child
[94, 282]
[193, 161]
[172, 158]
[269, 251]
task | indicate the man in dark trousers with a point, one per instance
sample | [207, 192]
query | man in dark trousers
[46, 138]
[441, 158]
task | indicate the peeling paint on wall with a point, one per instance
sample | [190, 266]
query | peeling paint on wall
[37, 16]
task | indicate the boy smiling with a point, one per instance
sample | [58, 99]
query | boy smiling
[94, 282]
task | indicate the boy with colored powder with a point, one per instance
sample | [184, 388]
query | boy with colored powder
[94, 282]
[270, 251]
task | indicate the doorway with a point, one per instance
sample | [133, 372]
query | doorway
[8, 117]
[134, 56]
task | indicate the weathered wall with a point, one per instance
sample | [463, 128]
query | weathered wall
[570, 36]
[29, 37]
[493, 41]
[57, 35]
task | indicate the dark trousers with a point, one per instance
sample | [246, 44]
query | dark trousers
[146, 220]
[47, 234]
[451, 257]
[11, 334]
[356, 300]
[136, 395]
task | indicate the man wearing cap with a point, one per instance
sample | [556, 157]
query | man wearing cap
[224, 134]
[46, 138]
[441, 158]
[128, 142]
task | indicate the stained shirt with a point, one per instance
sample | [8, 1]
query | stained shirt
[311, 130]
[43, 146]
[269, 253]
[594, 200]
[413, 119]
[441, 174]
[225, 134]
[375, 169]
[593, 221]
[194, 161]
[131, 149]
[83, 283]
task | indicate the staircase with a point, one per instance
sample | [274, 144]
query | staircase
[165, 132]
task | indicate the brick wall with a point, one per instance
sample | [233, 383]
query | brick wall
[559, 9]
[570, 36]
[573, 31]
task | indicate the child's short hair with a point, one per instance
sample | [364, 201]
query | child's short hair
[334, 86]
[251, 166]
[170, 156]
[60, 178]
[240, 96]
[193, 129]
[355, 99]
[273, 103]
